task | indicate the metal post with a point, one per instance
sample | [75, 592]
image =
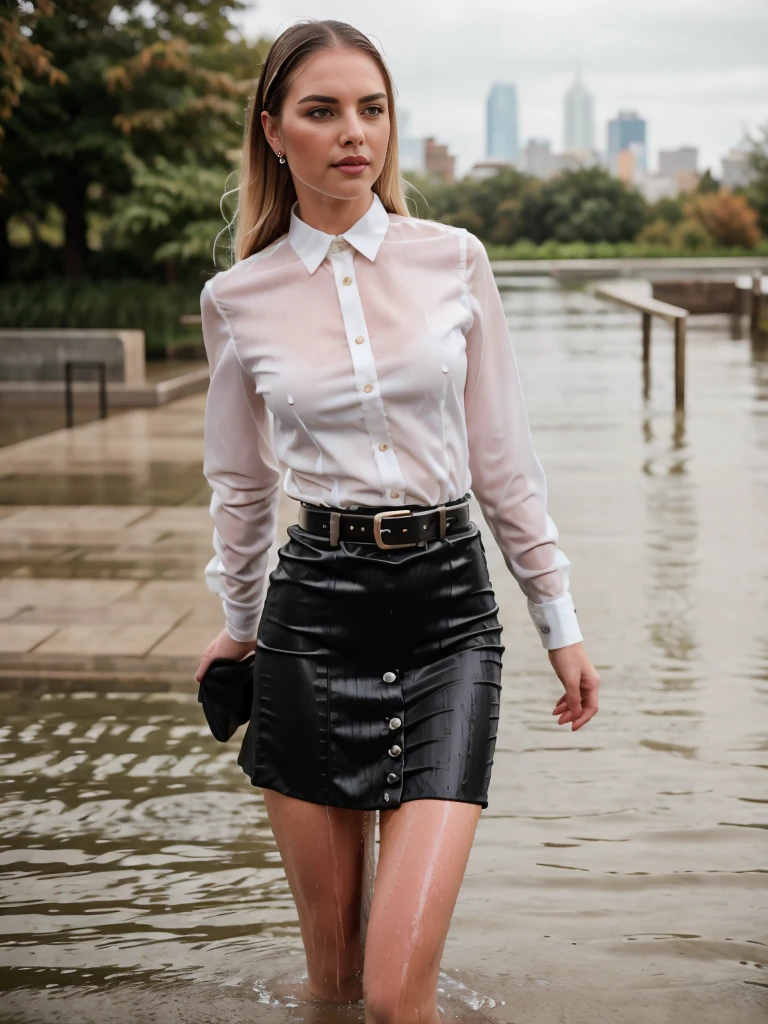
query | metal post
[754, 314]
[84, 364]
[680, 324]
[646, 337]
[102, 368]
[68, 393]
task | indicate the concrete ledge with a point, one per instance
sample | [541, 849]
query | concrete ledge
[119, 394]
[98, 671]
[724, 267]
[39, 354]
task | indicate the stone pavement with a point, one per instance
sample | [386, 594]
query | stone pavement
[104, 535]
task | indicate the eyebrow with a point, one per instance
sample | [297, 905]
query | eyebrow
[333, 99]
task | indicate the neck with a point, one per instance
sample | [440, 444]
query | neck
[329, 214]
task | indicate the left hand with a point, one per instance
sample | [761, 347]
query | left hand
[578, 675]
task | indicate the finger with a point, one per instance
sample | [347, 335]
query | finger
[205, 661]
[589, 713]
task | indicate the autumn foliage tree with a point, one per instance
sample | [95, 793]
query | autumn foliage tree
[728, 218]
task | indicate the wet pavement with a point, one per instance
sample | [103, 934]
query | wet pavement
[618, 873]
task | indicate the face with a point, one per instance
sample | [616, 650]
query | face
[336, 108]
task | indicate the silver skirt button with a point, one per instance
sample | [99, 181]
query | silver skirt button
[395, 751]
[392, 777]
[389, 677]
[386, 797]
[395, 723]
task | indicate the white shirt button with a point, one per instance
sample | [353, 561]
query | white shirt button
[368, 388]
[394, 494]
[359, 339]
[383, 446]
[347, 280]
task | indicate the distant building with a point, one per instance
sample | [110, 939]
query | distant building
[736, 170]
[687, 181]
[483, 169]
[413, 154]
[438, 161]
[672, 161]
[656, 186]
[627, 133]
[625, 167]
[572, 159]
[412, 149]
[501, 122]
[579, 119]
[662, 186]
[538, 159]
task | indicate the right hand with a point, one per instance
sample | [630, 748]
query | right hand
[223, 647]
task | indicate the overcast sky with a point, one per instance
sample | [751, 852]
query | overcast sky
[696, 70]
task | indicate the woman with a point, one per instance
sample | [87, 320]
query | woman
[368, 352]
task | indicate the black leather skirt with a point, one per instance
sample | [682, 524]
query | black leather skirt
[377, 676]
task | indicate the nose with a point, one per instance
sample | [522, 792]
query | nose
[352, 129]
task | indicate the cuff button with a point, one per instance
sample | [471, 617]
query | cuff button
[545, 629]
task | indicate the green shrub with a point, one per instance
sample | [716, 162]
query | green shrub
[137, 305]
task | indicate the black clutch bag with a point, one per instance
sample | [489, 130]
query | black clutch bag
[226, 693]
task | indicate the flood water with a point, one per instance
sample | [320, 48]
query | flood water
[618, 873]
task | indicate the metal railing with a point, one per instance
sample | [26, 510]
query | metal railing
[84, 364]
[649, 308]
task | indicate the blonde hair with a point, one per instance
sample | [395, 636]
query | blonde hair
[266, 191]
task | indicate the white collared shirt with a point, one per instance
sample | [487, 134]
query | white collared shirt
[377, 368]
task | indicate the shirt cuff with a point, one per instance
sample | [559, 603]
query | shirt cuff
[213, 576]
[556, 622]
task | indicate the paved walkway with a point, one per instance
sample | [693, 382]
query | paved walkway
[104, 535]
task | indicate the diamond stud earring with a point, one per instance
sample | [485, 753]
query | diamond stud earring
[280, 156]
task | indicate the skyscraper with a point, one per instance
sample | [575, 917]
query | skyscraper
[579, 119]
[501, 122]
[627, 132]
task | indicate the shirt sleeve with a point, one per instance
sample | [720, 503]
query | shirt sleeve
[507, 477]
[240, 465]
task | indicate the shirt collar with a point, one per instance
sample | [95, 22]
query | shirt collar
[365, 235]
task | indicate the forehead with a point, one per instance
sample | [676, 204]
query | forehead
[341, 73]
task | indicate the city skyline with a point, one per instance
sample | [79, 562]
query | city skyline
[695, 70]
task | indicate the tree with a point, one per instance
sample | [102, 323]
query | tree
[707, 183]
[141, 80]
[728, 218]
[585, 205]
[757, 190]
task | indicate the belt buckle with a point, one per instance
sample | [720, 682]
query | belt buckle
[377, 528]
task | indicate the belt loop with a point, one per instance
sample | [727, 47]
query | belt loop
[334, 529]
[443, 520]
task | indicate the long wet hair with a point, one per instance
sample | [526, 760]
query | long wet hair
[266, 191]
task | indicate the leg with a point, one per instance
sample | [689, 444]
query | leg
[423, 854]
[322, 852]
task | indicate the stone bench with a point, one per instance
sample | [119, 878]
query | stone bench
[39, 354]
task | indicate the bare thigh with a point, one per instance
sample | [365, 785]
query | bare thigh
[322, 853]
[423, 854]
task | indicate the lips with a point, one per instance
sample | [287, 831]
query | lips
[350, 160]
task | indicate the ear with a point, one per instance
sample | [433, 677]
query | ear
[271, 131]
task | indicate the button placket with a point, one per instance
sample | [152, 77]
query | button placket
[365, 374]
[392, 764]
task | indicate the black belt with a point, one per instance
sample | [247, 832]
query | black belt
[390, 528]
